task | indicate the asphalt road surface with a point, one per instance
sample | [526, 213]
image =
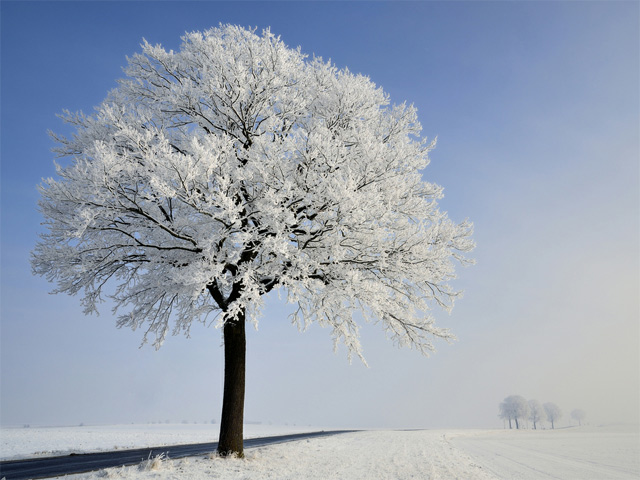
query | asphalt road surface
[86, 462]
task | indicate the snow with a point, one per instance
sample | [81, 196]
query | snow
[570, 453]
[361, 455]
[53, 441]
[583, 453]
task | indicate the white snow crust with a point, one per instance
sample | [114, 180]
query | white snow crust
[584, 453]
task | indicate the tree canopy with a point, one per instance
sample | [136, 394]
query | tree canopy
[536, 413]
[215, 174]
[514, 407]
[579, 415]
[554, 413]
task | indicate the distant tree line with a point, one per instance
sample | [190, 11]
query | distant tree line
[515, 409]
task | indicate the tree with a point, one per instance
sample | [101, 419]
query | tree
[236, 166]
[578, 415]
[553, 413]
[514, 407]
[536, 413]
[505, 412]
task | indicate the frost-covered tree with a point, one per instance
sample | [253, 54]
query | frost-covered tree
[536, 413]
[578, 415]
[514, 407]
[236, 166]
[553, 413]
[504, 413]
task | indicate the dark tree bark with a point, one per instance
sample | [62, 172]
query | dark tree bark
[231, 422]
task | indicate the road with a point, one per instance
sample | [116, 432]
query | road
[79, 463]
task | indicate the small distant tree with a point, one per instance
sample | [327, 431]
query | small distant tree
[236, 166]
[578, 415]
[514, 407]
[553, 413]
[505, 411]
[536, 413]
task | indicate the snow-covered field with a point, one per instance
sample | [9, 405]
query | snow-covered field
[584, 453]
[580, 453]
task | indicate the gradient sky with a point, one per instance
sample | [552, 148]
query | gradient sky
[536, 109]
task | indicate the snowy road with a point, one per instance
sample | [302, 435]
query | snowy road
[575, 453]
[54, 466]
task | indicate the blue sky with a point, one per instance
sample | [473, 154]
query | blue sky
[536, 109]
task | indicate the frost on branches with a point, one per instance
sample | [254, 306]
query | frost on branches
[235, 166]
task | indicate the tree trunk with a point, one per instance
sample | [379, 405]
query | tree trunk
[517, 424]
[232, 419]
[510, 423]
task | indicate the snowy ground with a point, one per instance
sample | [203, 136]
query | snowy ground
[585, 453]
[574, 453]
